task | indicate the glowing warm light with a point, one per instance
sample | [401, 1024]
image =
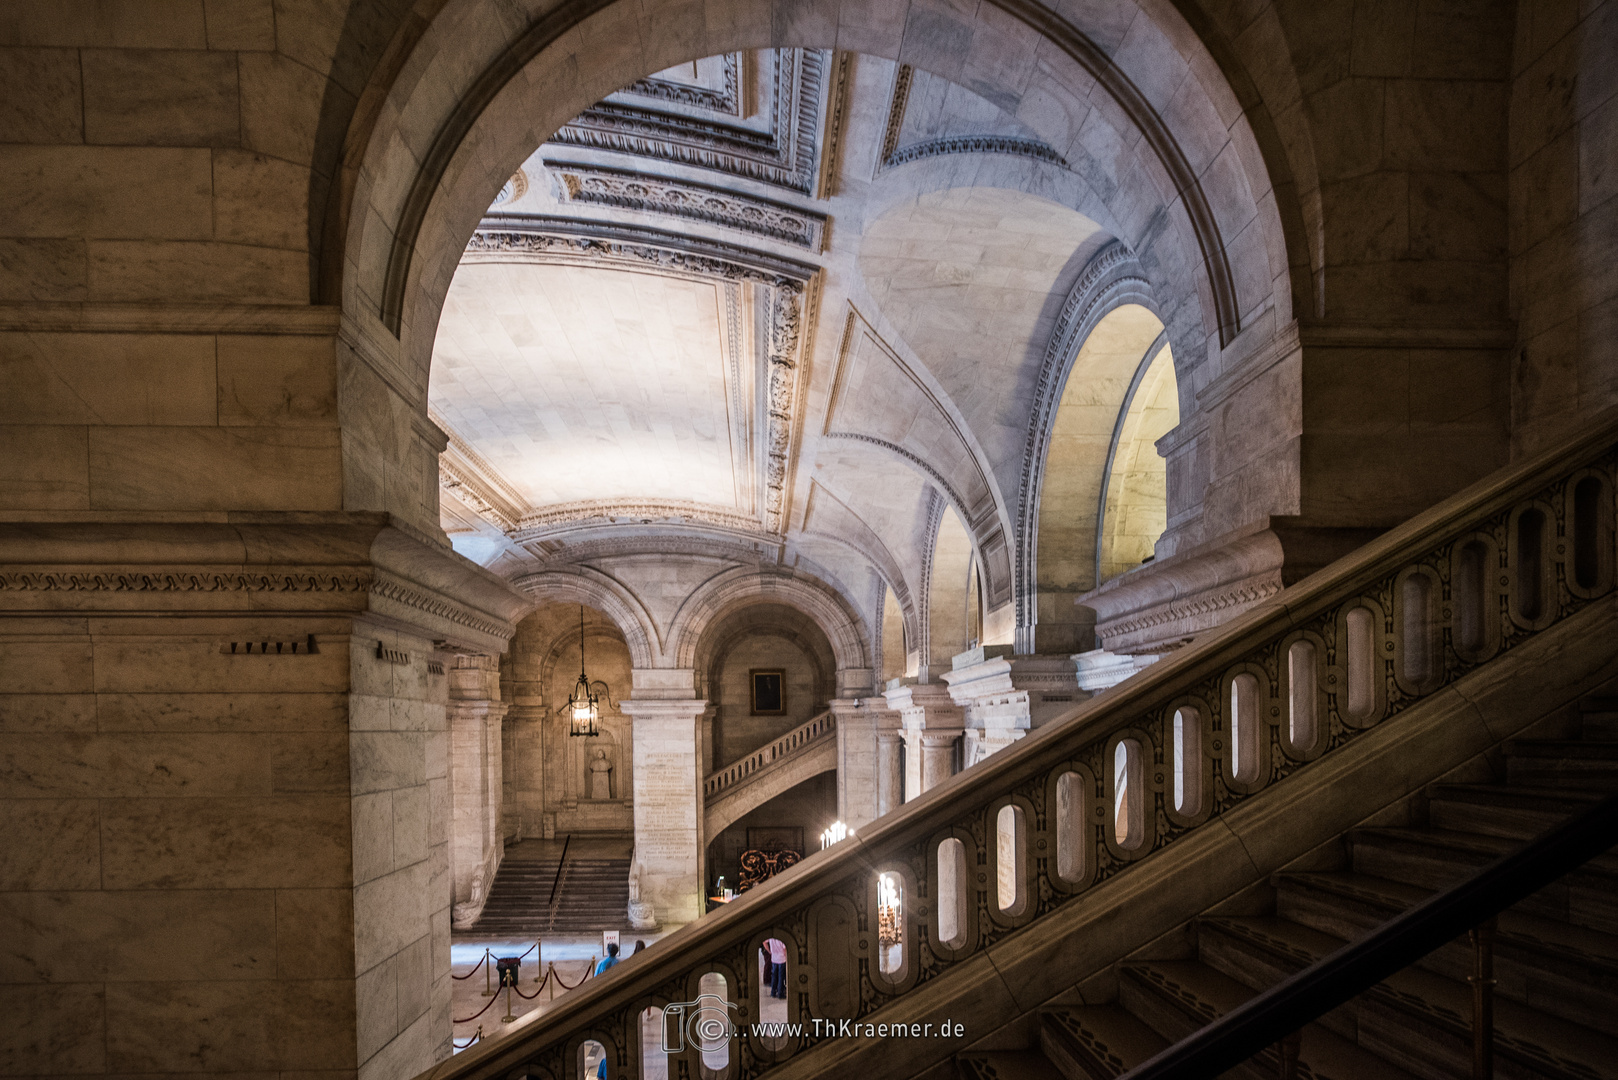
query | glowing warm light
[834, 832]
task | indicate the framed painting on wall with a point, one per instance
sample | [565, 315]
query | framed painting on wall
[769, 691]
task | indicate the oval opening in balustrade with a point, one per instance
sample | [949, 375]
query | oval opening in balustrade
[1470, 587]
[952, 900]
[1302, 719]
[1128, 802]
[1361, 662]
[1010, 844]
[890, 899]
[1072, 826]
[592, 1060]
[1530, 566]
[1244, 728]
[654, 1061]
[709, 1023]
[1416, 609]
[1591, 534]
[772, 984]
[1187, 761]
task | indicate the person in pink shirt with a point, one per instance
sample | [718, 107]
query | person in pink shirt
[778, 967]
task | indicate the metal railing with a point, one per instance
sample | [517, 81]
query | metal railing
[1289, 687]
[793, 741]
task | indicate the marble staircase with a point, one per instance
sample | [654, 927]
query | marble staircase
[1556, 954]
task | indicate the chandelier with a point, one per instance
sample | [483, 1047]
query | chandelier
[583, 708]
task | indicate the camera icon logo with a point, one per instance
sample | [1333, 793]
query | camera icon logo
[704, 1023]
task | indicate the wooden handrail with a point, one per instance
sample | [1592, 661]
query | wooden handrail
[796, 739]
[1266, 1019]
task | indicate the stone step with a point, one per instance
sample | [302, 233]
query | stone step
[1416, 1016]
[1563, 763]
[1437, 858]
[1006, 1064]
[1095, 1042]
[1178, 997]
[1599, 716]
[1559, 968]
[1518, 813]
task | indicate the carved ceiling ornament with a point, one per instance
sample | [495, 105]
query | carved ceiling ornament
[893, 154]
[694, 202]
[568, 242]
[728, 100]
[783, 156]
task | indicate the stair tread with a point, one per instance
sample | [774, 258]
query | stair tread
[1474, 848]
[1527, 796]
[1002, 1064]
[1569, 749]
[1531, 932]
[1206, 994]
[1106, 1039]
[1526, 1033]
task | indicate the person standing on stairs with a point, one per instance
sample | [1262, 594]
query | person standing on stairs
[778, 967]
[610, 960]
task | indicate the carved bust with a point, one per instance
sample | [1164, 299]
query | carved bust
[600, 776]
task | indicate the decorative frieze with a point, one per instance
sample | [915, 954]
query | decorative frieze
[691, 201]
[727, 99]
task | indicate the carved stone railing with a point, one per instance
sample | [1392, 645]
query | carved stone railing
[793, 741]
[1286, 688]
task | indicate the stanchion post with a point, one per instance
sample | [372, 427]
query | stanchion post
[553, 982]
[486, 991]
[539, 959]
[509, 1017]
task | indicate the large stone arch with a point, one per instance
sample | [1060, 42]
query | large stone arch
[1188, 183]
[584, 585]
[746, 585]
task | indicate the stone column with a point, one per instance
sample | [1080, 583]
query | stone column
[669, 845]
[890, 777]
[926, 708]
[476, 840]
[859, 762]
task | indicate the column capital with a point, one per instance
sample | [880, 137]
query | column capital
[663, 708]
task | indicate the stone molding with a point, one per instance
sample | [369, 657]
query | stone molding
[784, 156]
[185, 580]
[837, 103]
[626, 190]
[897, 103]
[728, 100]
[114, 317]
[560, 519]
[894, 155]
[1111, 278]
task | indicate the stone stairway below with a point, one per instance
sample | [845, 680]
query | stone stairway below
[1556, 954]
[593, 895]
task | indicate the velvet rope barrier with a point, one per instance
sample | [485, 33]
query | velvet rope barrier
[587, 972]
[480, 963]
[479, 1013]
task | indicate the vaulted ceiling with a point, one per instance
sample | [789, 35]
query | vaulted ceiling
[784, 306]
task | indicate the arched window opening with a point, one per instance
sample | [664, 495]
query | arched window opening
[1102, 384]
[1072, 825]
[1135, 511]
[1416, 600]
[654, 1061]
[1301, 720]
[1128, 802]
[592, 1061]
[1009, 848]
[890, 923]
[1244, 723]
[947, 601]
[1361, 662]
[1590, 535]
[1187, 761]
[773, 963]
[952, 899]
[1530, 563]
[710, 1023]
[1470, 584]
[895, 661]
[974, 606]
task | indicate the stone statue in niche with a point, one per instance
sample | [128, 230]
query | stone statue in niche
[600, 779]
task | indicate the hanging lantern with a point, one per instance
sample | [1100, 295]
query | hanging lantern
[583, 707]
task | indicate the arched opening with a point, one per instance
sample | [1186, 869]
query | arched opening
[1072, 827]
[592, 1061]
[773, 979]
[710, 1024]
[890, 924]
[654, 1060]
[1244, 728]
[1187, 735]
[1117, 393]
[895, 649]
[1010, 859]
[953, 910]
[1135, 511]
[1128, 795]
[949, 597]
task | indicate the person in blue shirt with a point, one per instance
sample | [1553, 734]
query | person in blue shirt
[609, 960]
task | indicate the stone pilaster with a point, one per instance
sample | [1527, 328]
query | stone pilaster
[890, 770]
[1099, 670]
[859, 759]
[926, 708]
[669, 844]
[476, 841]
[1005, 696]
